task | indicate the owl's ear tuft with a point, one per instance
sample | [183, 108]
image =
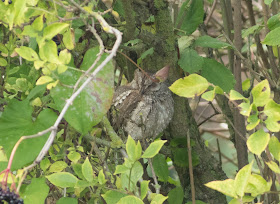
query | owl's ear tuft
[162, 74]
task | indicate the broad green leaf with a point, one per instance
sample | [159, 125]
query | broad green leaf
[176, 195]
[136, 172]
[273, 22]
[218, 74]
[61, 68]
[67, 200]
[29, 30]
[225, 187]
[246, 85]
[185, 42]
[260, 185]
[272, 38]
[190, 16]
[77, 167]
[65, 56]
[3, 49]
[190, 86]
[63, 179]
[36, 192]
[258, 141]
[130, 148]
[207, 41]
[129, 200]
[274, 147]
[158, 199]
[38, 64]
[16, 121]
[19, 12]
[138, 150]
[44, 80]
[101, 177]
[69, 39]
[246, 108]
[3, 62]
[74, 156]
[272, 110]
[190, 61]
[160, 167]
[253, 121]
[87, 170]
[144, 186]
[113, 197]
[121, 169]
[94, 101]
[261, 93]
[209, 95]
[234, 95]
[153, 148]
[38, 23]
[273, 166]
[27, 53]
[50, 52]
[241, 179]
[44, 164]
[52, 30]
[58, 166]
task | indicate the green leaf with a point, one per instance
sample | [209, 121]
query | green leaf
[29, 31]
[190, 16]
[74, 156]
[153, 148]
[136, 172]
[261, 93]
[113, 197]
[246, 108]
[209, 95]
[207, 41]
[272, 110]
[176, 195]
[218, 74]
[258, 141]
[121, 169]
[158, 199]
[17, 121]
[268, 2]
[78, 170]
[50, 52]
[130, 148]
[19, 12]
[274, 147]
[129, 200]
[145, 54]
[63, 179]
[246, 85]
[65, 56]
[225, 187]
[69, 39]
[251, 30]
[38, 23]
[144, 186]
[87, 170]
[36, 192]
[44, 80]
[190, 86]
[272, 38]
[234, 95]
[273, 22]
[185, 42]
[101, 178]
[190, 61]
[58, 166]
[273, 166]
[3, 62]
[94, 101]
[27, 53]
[253, 121]
[44, 164]
[52, 30]
[160, 167]
[67, 200]
[241, 179]
[260, 185]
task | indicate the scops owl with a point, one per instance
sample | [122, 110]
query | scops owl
[144, 107]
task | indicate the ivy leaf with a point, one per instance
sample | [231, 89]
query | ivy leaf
[258, 141]
[190, 86]
[218, 74]
[63, 179]
[153, 148]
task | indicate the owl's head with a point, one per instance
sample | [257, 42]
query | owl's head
[143, 81]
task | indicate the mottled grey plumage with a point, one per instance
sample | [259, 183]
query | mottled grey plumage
[143, 107]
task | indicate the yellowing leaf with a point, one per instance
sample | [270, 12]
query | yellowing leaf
[190, 86]
[44, 80]
[27, 53]
[36, 102]
[51, 85]
[226, 187]
[258, 141]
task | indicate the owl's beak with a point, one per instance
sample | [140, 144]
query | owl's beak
[162, 74]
